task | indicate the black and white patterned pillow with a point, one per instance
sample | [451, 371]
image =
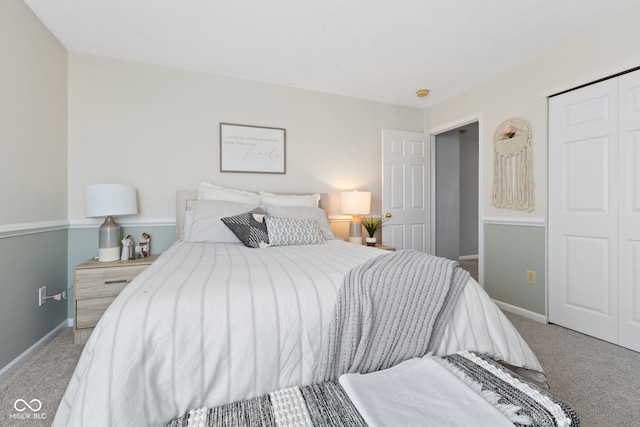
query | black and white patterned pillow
[292, 231]
[249, 227]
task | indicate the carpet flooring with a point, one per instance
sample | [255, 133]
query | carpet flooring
[471, 266]
[44, 377]
[600, 380]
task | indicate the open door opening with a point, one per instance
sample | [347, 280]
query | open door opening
[455, 220]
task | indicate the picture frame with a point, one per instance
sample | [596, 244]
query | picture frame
[252, 149]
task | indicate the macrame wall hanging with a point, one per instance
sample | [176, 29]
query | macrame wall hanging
[512, 166]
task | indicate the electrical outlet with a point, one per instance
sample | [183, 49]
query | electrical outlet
[531, 277]
[42, 296]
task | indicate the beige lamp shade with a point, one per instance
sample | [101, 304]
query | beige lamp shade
[356, 202]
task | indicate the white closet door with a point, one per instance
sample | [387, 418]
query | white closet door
[629, 288]
[583, 210]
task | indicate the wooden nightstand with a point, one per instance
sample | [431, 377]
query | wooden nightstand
[386, 248]
[96, 285]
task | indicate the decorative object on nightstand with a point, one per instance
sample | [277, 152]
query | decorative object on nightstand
[109, 200]
[96, 285]
[371, 224]
[143, 249]
[127, 248]
[355, 203]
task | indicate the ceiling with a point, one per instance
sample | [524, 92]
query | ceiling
[377, 50]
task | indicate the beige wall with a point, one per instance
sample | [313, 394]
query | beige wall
[158, 129]
[511, 250]
[33, 180]
[519, 93]
[33, 119]
[162, 124]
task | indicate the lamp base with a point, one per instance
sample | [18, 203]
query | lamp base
[355, 231]
[109, 240]
[108, 254]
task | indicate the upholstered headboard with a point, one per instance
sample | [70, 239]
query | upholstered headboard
[186, 198]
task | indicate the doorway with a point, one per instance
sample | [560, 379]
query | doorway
[455, 172]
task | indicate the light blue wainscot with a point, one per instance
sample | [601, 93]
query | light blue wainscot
[509, 251]
[30, 259]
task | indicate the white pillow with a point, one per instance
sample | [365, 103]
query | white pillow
[304, 212]
[208, 191]
[207, 225]
[310, 200]
[290, 231]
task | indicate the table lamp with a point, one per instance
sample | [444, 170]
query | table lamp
[355, 203]
[109, 200]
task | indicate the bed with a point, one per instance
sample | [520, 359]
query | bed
[213, 322]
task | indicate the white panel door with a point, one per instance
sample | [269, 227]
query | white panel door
[406, 190]
[583, 210]
[629, 215]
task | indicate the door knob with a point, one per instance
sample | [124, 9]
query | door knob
[387, 215]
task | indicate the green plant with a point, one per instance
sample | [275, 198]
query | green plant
[371, 224]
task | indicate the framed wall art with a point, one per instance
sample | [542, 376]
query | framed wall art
[252, 149]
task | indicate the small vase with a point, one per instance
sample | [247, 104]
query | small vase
[371, 241]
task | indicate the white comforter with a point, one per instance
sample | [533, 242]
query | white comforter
[213, 323]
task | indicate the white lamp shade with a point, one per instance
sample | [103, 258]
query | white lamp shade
[356, 202]
[109, 200]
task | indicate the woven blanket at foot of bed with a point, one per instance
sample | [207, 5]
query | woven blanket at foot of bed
[328, 405]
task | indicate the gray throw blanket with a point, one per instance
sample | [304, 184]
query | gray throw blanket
[390, 309]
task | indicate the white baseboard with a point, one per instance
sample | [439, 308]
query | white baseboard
[467, 257]
[522, 312]
[20, 360]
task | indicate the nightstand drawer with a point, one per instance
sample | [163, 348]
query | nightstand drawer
[96, 285]
[105, 282]
[89, 311]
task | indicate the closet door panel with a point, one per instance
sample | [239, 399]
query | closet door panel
[583, 210]
[585, 176]
[629, 175]
[587, 268]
